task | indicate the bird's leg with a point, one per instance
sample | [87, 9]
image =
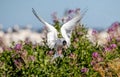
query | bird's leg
[58, 53]
[59, 50]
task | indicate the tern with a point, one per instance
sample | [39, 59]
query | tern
[52, 34]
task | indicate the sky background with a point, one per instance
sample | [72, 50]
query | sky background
[100, 14]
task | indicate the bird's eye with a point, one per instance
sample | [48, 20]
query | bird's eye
[64, 42]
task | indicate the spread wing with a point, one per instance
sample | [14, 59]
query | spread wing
[67, 28]
[52, 32]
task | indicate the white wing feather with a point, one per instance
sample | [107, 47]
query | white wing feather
[52, 32]
[67, 28]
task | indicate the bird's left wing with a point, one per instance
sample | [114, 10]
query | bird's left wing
[52, 32]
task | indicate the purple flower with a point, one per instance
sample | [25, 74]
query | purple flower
[109, 39]
[84, 70]
[72, 55]
[113, 27]
[94, 32]
[70, 11]
[110, 30]
[66, 19]
[16, 62]
[115, 24]
[99, 59]
[50, 52]
[54, 16]
[113, 45]
[108, 48]
[95, 54]
[118, 38]
[18, 47]
[93, 62]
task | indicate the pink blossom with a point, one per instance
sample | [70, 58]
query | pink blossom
[95, 54]
[113, 46]
[107, 48]
[115, 24]
[84, 70]
[99, 59]
[118, 39]
[94, 32]
[55, 18]
[70, 11]
[110, 30]
[18, 47]
[50, 52]
[16, 62]
[72, 55]
[109, 39]
[113, 27]
[93, 62]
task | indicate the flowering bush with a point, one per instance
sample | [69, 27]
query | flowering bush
[81, 59]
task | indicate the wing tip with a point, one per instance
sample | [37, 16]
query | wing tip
[33, 10]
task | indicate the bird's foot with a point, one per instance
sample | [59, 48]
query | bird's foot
[56, 56]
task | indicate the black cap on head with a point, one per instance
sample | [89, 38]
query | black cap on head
[64, 42]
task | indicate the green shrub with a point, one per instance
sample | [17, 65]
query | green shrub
[81, 59]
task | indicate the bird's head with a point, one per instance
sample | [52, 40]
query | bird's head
[64, 42]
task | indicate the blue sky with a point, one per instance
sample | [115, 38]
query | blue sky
[100, 14]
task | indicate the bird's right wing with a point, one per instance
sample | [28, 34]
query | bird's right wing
[67, 28]
[52, 32]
